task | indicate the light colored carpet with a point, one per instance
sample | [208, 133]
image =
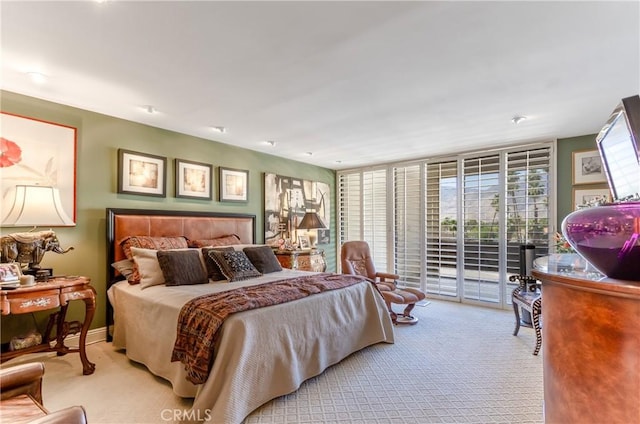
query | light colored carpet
[459, 364]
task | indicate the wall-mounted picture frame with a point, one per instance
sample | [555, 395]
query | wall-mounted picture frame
[303, 242]
[324, 236]
[587, 167]
[10, 272]
[234, 185]
[38, 153]
[141, 173]
[587, 196]
[193, 179]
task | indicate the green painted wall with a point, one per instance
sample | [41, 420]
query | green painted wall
[565, 149]
[98, 139]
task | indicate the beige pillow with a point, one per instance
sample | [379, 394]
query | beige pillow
[149, 268]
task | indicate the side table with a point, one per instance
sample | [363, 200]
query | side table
[302, 260]
[55, 293]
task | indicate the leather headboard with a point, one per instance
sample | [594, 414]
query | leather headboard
[122, 223]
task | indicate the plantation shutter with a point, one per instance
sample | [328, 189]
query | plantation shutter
[481, 218]
[407, 224]
[441, 210]
[363, 211]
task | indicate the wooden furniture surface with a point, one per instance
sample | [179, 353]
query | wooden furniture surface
[302, 260]
[591, 352]
[56, 293]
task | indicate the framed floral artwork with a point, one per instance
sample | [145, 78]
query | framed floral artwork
[38, 153]
[234, 185]
[141, 173]
[193, 179]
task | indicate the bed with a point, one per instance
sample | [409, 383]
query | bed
[260, 354]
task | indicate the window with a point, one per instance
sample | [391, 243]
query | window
[452, 227]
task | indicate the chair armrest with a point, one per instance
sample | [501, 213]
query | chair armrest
[71, 415]
[22, 379]
[387, 276]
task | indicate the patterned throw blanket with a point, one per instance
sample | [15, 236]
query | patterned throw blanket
[201, 318]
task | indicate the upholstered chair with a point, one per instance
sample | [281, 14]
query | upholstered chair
[356, 259]
[21, 398]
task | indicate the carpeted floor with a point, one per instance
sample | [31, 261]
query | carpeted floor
[459, 364]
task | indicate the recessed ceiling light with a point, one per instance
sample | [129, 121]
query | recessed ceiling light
[37, 77]
[270, 143]
[220, 130]
[517, 119]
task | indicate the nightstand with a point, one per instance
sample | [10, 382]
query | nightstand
[56, 293]
[302, 260]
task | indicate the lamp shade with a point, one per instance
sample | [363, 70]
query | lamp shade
[36, 206]
[311, 220]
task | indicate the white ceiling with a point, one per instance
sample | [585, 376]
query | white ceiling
[355, 83]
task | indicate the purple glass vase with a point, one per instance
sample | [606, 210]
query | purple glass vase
[608, 237]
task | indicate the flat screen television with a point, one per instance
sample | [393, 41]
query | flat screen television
[619, 146]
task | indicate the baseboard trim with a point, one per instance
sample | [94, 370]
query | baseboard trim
[93, 336]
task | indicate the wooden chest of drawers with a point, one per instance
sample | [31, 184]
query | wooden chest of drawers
[303, 260]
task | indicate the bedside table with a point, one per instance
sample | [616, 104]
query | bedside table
[302, 260]
[56, 293]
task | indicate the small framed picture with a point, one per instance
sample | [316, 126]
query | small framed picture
[587, 167]
[193, 179]
[324, 236]
[585, 197]
[234, 185]
[141, 173]
[10, 272]
[304, 243]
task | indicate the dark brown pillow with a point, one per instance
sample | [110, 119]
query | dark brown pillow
[263, 258]
[235, 265]
[213, 270]
[181, 267]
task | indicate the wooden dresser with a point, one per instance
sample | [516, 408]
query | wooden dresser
[591, 348]
[303, 260]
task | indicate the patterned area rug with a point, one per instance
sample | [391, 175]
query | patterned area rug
[459, 364]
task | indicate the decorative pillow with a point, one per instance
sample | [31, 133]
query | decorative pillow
[263, 258]
[219, 241]
[125, 267]
[213, 270]
[181, 267]
[148, 268]
[234, 265]
[148, 242]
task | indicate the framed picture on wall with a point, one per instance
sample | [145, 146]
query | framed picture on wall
[234, 185]
[141, 173]
[587, 167]
[193, 179]
[582, 197]
[38, 153]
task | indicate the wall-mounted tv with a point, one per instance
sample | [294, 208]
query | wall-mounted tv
[619, 146]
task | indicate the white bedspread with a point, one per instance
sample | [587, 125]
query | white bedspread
[262, 353]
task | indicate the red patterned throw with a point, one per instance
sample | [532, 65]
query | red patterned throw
[201, 318]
